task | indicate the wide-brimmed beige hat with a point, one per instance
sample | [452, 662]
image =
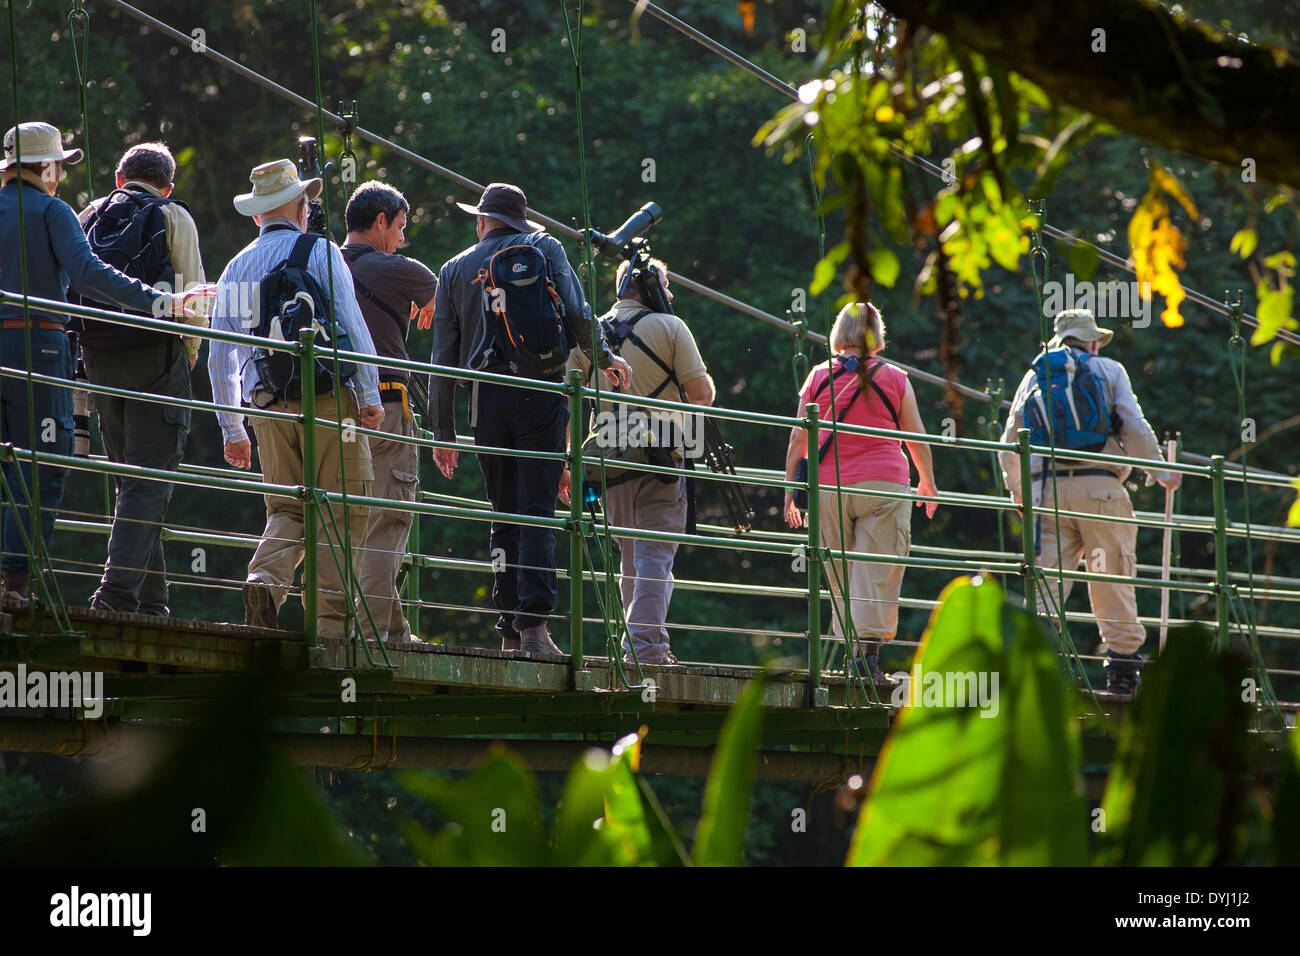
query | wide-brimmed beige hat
[1079, 324]
[37, 143]
[275, 184]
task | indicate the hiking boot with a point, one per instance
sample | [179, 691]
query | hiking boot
[259, 606]
[666, 659]
[1123, 673]
[537, 640]
[17, 585]
[869, 666]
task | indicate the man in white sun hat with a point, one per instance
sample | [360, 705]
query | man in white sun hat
[45, 257]
[1093, 408]
[278, 203]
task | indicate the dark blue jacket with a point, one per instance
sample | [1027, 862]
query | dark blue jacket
[58, 257]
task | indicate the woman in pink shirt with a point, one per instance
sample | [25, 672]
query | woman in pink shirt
[864, 390]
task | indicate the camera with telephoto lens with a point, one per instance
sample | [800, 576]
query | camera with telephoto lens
[628, 242]
[309, 168]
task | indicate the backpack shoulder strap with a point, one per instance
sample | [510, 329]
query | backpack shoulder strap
[301, 252]
[889, 406]
[369, 295]
[880, 363]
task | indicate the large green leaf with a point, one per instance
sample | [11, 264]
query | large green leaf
[602, 821]
[720, 835]
[1175, 790]
[990, 776]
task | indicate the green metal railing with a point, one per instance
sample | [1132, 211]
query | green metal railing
[1221, 582]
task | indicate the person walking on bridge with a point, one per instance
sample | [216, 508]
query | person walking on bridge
[1103, 415]
[860, 388]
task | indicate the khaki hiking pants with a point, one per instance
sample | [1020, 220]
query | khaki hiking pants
[1105, 547]
[871, 526]
[389, 529]
[279, 450]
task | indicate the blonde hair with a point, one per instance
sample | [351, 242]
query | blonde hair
[858, 326]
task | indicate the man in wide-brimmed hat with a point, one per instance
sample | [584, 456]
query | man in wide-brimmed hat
[1090, 487]
[57, 257]
[278, 203]
[505, 416]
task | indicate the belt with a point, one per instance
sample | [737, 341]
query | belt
[46, 324]
[395, 392]
[1080, 473]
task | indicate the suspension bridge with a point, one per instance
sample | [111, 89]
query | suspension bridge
[358, 704]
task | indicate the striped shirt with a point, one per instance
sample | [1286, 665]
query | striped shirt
[230, 366]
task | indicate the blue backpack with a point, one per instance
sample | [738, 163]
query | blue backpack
[1080, 418]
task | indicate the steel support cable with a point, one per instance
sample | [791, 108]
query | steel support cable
[920, 162]
[681, 280]
[346, 571]
[1237, 363]
[553, 224]
[604, 540]
[844, 610]
[1036, 252]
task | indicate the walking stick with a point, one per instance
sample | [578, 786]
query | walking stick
[1171, 451]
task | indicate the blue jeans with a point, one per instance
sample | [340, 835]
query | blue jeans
[51, 410]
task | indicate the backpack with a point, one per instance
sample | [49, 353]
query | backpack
[632, 445]
[128, 230]
[1080, 418]
[523, 316]
[290, 300]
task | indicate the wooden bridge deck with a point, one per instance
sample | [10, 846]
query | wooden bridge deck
[434, 705]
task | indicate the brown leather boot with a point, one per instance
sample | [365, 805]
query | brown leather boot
[17, 585]
[537, 640]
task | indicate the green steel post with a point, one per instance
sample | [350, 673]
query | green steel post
[814, 558]
[307, 339]
[1220, 550]
[1027, 520]
[575, 521]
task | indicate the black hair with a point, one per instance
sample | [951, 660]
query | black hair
[371, 199]
[150, 163]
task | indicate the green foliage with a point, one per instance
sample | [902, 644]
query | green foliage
[256, 808]
[721, 832]
[957, 784]
[1186, 735]
[607, 815]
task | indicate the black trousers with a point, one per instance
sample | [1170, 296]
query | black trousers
[150, 434]
[523, 587]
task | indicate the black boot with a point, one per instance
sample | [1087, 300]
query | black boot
[868, 665]
[1123, 673]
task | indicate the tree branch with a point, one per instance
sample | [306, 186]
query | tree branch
[1163, 77]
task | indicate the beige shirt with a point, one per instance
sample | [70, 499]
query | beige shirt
[183, 245]
[669, 338]
[1134, 439]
